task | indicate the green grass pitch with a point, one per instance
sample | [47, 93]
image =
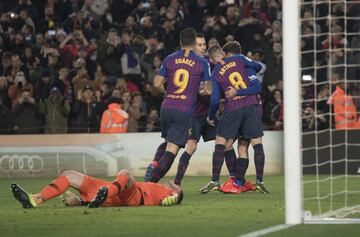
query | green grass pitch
[213, 214]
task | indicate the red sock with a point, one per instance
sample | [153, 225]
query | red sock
[117, 186]
[55, 188]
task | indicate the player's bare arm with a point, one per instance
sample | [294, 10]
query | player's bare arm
[159, 83]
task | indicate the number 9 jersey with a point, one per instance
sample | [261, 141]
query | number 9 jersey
[184, 71]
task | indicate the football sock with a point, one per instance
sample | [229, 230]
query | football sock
[163, 166]
[183, 164]
[217, 161]
[119, 184]
[259, 158]
[241, 167]
[160, 151]
[55, 188]
[239, 182]
[230, 160]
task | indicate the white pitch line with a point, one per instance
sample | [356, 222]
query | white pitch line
[267, 230]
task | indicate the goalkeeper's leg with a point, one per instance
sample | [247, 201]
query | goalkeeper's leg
[123, 181]
[54, 189]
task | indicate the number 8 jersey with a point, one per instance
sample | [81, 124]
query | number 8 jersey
[232, 72]
[184, 71]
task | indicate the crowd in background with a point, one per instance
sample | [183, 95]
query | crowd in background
[330, 53]
[63, 60]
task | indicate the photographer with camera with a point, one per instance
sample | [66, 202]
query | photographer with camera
[27, 116]
[15, 90]
[87, 111]
[56, 111]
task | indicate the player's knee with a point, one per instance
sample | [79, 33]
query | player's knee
[68, 173]
[243, 152]
[191, 147]
[256, 141]
[124, 172]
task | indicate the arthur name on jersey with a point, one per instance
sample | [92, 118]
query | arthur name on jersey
[226, 67]
[185, 61]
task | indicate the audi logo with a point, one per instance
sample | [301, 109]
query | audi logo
[21, 163]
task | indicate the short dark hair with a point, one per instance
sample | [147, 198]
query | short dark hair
[116, 100]
[200, 35]
[232, 47]
[188, 37]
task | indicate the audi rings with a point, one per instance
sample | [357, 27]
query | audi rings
[21, 163]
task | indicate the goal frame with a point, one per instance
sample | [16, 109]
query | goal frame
[294, 212]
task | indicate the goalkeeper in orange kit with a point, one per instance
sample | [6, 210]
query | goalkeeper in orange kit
[123, 191]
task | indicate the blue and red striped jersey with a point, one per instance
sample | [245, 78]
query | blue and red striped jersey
[232, 72]
[184, 71]
[203, 102]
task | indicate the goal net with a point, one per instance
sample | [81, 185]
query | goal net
[330, 105]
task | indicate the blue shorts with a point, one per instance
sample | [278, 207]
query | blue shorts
[244, 122]
[200, 127]
[175, 126]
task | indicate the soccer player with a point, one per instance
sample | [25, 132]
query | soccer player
[123, 191]
[184, 71]
[231, 49]
[241, 112]
[199, 128]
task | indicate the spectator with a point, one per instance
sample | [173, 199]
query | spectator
[82, 79]
[126, 86]
[109, 53]
[114, 119]
[70, 46]
[273, 111]
[88, 112]
[152, 123]
[5, 63]
[34, 70]
[6, 118]
[130, 59]
[27, 116]
[345, 113]
[20, 84]
[42, 87]
[77, 44]
[16, 66]
[64, 84]
[56, 110]
[4, 87]
[274, 65]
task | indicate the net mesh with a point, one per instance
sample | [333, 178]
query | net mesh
[330, 68]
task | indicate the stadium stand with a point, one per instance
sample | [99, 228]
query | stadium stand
[77, 54]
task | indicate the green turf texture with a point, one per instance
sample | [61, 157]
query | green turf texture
[213, 214]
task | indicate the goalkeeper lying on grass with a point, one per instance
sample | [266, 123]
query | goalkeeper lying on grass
[123, 191]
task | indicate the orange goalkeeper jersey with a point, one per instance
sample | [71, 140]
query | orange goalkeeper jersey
[153, 193]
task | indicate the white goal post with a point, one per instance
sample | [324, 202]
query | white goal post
[292, 133]
[334, 195]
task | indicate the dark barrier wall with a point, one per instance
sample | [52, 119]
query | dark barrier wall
[342, 146]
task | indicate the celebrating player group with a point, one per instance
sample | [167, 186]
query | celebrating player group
[189, 111]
